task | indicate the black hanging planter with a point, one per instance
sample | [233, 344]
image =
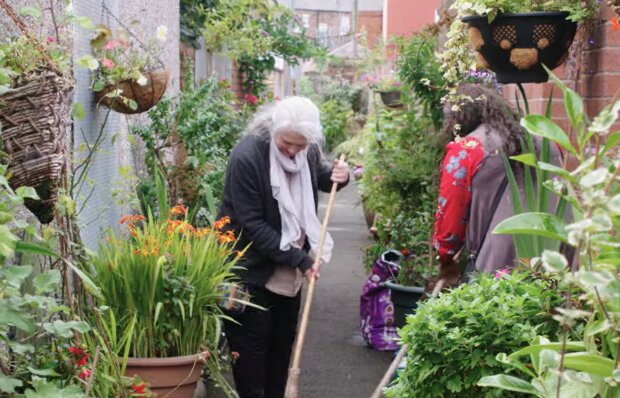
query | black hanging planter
[391, 99]
[516, 46]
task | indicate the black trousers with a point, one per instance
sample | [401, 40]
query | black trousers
[264, 341]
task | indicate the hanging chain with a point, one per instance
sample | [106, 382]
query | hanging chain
[104, 8]
[21, 25]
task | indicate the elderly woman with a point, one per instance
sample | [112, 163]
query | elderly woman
[271, 195]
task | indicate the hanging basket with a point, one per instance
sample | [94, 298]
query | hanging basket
[391, 99]
[34, 118]
[615, 5]
[516, 46]
[146, 96]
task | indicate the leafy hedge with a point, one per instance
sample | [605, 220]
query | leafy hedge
[454, 339]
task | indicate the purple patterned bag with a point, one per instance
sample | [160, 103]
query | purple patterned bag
[376, 308]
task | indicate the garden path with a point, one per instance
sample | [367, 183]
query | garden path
[336, 362]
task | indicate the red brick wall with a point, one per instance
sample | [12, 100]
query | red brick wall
[372, 23]
[600, 79]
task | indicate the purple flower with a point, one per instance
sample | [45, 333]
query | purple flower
[501, 273]
[264, 34]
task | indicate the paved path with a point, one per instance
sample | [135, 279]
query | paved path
[336, 363]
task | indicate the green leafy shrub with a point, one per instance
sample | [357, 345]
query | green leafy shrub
[36, 331]
[201, 118]
[335, 118]
[453, 339]
[420, 70]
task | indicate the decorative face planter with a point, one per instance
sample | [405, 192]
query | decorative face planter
[516, 46]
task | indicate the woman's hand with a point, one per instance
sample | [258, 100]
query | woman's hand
[340, 172]
[314, 271]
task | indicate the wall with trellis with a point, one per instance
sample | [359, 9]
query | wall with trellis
[101, 198]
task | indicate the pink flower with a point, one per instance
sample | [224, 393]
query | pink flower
[500, 273]
[85, 373]
[112, 44]
[51, 39]
[108, 63]
[251, 99]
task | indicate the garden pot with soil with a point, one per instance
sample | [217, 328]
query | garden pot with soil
[144, 96]
[391, 99]
[405, 300]
[173, 377]
[516, 46]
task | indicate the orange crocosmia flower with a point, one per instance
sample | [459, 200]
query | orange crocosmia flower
[131, 219]
[219, 224]
[615, 23]
[178, 210]
[227, 237]
[200, 232]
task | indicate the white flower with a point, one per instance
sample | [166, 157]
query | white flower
[69, 7]
[162, 32]
[142, 80]
[93, 64]
[455, 108]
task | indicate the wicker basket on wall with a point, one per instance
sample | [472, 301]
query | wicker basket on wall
[34, 117]
[615, 5]
[146, 96]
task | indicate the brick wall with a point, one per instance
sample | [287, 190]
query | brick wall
[600, 78]
[371, 22]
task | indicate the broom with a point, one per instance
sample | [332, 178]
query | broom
[292, 384]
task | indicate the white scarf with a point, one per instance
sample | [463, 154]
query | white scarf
[296, 201]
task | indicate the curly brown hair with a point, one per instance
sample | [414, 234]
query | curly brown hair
[486, 106]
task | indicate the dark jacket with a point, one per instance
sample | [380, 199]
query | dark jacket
[254, 213]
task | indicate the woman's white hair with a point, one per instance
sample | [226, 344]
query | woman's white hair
[292, 114]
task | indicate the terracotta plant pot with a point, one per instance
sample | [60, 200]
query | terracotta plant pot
[391, 99]
[173, 377]
[146, 96]
[516, 46]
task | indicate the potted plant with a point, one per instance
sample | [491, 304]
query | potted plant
[159, 289]
[35, 94]
[389, 88]
[127, 76]
[515, 39]
[407, 236]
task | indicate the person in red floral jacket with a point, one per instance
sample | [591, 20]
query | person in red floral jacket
[473, 197]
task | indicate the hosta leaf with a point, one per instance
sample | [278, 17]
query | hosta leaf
[590, 363]
[537, 348]
[544, 127]
[539, 224]
[509, 383]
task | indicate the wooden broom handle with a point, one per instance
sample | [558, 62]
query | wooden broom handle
[306, 312]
